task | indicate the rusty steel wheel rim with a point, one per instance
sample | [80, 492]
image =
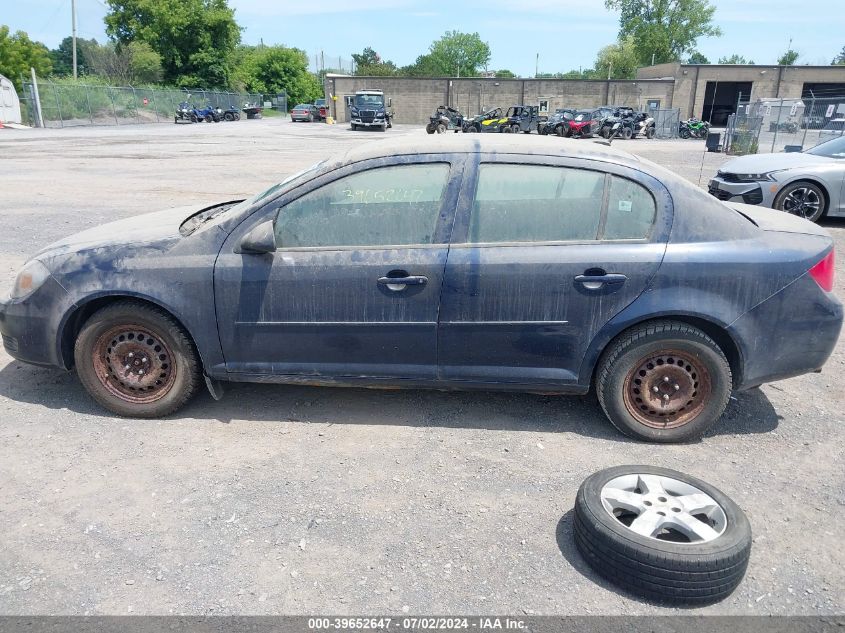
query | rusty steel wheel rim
[134, 364]
[667, 389]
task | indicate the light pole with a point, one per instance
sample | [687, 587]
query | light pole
[73, 32]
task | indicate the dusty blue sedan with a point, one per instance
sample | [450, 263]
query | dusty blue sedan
[461, 263]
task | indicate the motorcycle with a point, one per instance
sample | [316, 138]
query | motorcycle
[693, 128]
[445, 118]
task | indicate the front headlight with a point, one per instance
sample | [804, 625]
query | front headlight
[30, 278]
[766, 175]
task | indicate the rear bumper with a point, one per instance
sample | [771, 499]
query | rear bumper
[792, 333]
[29, 327]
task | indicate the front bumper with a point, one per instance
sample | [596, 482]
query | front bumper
[747, 192]
[378, 122]
[29, 328]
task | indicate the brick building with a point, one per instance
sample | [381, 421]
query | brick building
[707, 91]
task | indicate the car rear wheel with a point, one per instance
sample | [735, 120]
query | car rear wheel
[136, 361]
[662, 534]
[627, 133]
[804, 199]
[472, 129]
[649, 132]
[515, 129]
[663, 381]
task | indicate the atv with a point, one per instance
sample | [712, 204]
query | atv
[208, 114]
[186, 113]
[445, 118]
[693, 128]
[231, 114]
[585, 123]
[521, 118]
[558, 123]
[486, 121]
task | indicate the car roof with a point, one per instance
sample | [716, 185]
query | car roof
[494, 144]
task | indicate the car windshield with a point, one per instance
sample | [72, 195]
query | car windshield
[369, 101]
[196, 221]
[582, 116]
[834, 148]
[302, 106]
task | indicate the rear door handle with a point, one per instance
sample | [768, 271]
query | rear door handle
[597, 281]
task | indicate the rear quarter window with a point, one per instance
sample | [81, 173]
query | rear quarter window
[630, 210]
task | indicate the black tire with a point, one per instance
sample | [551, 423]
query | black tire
[472, 129]
[180, 363]
[209, 118]
[429, 128]
[229, 116]
[684, 133]
[693, 573]
[813, 195]
[194, 118]
[649, 132]
[441, 128]
[354, 127]
[560, 131]
[697, 380]
[515, 129]
[627, 133]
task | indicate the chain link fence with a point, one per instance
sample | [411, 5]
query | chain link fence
[778, 125]
[666, 123]
[73, 104]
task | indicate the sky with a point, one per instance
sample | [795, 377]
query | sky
[565, 34]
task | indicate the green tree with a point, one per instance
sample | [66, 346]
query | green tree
[368, 63]
[617, 61]
[788, 58]
[735, 59]
[461, 54]
[664, 30]
[697, 58]
[62, 56]
[505, 74]
[424, 66]
[839, 60]
[18, 54]
[273, 69]
[194, 38]
[128, 64]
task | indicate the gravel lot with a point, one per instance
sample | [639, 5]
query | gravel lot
[293, 500]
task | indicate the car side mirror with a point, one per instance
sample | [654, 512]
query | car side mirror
[260, 240]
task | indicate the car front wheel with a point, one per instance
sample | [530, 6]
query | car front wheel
[136, 360]
[663, 381]
[804, 199]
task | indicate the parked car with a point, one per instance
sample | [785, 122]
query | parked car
[306, 112]
[810, 183]
[558, 123]
[453, 263]
[322, 109]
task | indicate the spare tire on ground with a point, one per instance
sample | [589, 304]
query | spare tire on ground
[662, 534]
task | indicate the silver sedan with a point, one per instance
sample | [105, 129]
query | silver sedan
[810, 184]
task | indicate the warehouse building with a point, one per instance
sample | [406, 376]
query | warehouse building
[710, 92]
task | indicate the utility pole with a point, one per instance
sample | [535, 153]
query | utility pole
[73, 32]
[537, 66]
[652, 59]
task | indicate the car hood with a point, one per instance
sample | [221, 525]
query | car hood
[762, 163]
[137, 230]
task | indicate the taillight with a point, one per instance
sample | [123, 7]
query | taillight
[823, 272]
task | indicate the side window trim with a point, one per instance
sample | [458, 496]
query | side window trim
[664, 204]
[446, 215]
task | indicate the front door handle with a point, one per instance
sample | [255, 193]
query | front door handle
[399, 283]
[594, 282]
